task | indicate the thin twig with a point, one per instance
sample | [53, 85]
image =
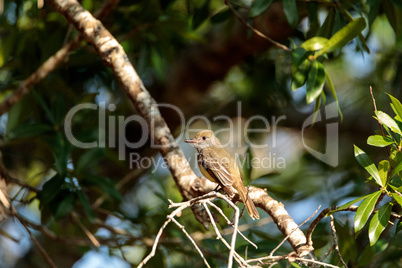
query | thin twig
[286, 257]
[158, 236]
[239, 259]
[286, 238]
[91, 237]
[327, 254]
[243, 227]
[257, 32]
[42, 251]
[335, 239]
[191, 239]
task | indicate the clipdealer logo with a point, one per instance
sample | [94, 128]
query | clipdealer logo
[112, 137]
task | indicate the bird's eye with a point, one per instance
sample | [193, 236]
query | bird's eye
[204, 138]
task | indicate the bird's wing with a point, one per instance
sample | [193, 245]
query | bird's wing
[218, 169]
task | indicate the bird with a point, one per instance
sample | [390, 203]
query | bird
[218, 166]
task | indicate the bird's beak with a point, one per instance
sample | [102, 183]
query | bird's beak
[191, 141]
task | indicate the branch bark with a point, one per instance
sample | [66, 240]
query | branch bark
[188, 183]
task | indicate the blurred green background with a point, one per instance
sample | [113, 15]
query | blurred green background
[197, 56]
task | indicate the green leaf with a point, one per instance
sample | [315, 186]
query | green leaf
[388, 121]
[370, 252]
[86, 205]
[300, 76]
[299, 55]
[221, 16]
[383, 168]
[65, 206]
[246, 166]
[398, 227]
[51, 189]
[89, 158]
[396, 170]
[397, 104]
[328, 25]
[348, 204]
[104, 183]
[397, 198]
[295, 265]
[365, 162]
[44, 106]
[315, 43]
[349, 18]
[290, 9]
[365, 209]
[393, 15]
[314, 24]
[379, 141]
[29, 130]
[315, 81]
[396, 183]
[379, 222]
[343, 36]
[61, 151]
[258, 7]
[58, 105]
[332, 87]
[200, 14]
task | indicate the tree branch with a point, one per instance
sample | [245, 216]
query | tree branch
[187, 182]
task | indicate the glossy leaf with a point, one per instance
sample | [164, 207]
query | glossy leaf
[396, 170]
[51, 189]
[379, 141]
[291, 13]
[343, 36]
[258, 7]
[221, 16]
[332, 87]
[379, 222]
[397, 104]
[397, 198]
[315, 81]
[366, 162]
[365, 209]
[383, 168]
[349, 18]
[388, 121]
[299, 55]
[86, 205]
[65, 206]
[300, 76]
[328, 25]
[348, 204]
[315, 43]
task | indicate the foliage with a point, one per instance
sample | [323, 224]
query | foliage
[387, 176]
[123, 205]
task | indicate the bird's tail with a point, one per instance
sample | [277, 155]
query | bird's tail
[252, 210]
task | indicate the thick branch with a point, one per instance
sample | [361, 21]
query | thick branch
[113, 55]
[189, 185]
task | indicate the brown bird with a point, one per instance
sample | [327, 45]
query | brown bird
[218, 166]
